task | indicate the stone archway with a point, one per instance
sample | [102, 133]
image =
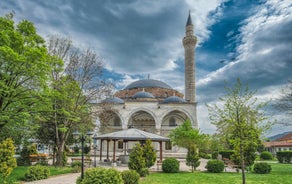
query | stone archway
[110, 122]
[142, 120]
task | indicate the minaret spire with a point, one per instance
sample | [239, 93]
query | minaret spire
[189, 43]
[189, 22]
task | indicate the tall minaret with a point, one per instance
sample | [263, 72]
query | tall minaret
[189, 42]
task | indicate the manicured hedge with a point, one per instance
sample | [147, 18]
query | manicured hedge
[215, 166]
[226, 153]
[262, 168]
[284, 156]
[265, 155]
[170, 165]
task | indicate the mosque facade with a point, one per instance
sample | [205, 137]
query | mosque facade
[152, 105]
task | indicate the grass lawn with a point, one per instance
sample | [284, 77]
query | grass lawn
[18, 173]
[281, 174]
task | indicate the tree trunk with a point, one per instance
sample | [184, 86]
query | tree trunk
[59, 154]
[242, 164]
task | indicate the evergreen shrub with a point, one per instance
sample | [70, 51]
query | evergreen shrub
[37, 172]
[130, 177]
[215, 166]
[76, 166]
[265, 155]
[101, 175]
[170, 165]
[262, 168]
[284, 156]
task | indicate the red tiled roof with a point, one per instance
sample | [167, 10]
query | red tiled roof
[278, 144]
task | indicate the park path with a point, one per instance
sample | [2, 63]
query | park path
[71, 178]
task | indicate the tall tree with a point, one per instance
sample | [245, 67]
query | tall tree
[24, 70]
[239, 121]
[76, 79]
[187, 137]
[284, 104]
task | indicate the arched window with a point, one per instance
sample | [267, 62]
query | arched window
[172, 121]
[117, 121]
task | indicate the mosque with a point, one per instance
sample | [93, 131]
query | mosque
[152, 105]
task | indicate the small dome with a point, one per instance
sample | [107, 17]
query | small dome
[115, 100]
[143, 94]
[147, 83]
[174, 99]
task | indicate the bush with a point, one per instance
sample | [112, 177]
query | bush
[284, 156]
[137, 161]
[24, 160]
[101, 175]
[76, 166]
[265, 155]
[7, 161]
[215, 154]
[262, 168]
[215, 166]
[226, 153]
[204, 155]
[149, 153]
[144, 172]
[87, 149]
[192, 158]
[170, 165]
[37, 172]
[130, 177]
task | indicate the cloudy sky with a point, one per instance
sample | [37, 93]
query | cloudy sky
[246, 39]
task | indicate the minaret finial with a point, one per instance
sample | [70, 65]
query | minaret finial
[189, 21]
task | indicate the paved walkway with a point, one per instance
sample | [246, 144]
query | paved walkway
[71, 178]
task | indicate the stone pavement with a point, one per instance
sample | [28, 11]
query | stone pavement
[71, 178]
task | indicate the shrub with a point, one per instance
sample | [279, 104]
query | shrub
[76, 149]
[76, 166]
[262, 168]
[284, 156]
[101, 175]
[265, 155]
[192, 158]
[215, 166]
[149, 153]
[37, 172]
[215, 154]
[86, 149]
[130, 177]
[226, 153]
[24, 160]
[7, 161]
[136, 160]
[144, 172]
[170, 165]
[204, 155]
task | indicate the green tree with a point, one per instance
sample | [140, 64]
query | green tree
[7, 160]
[24, 71]
[187, 137]
[149, 153]
[193, 158]
[238, 120]
[76, 79]
[137, 161]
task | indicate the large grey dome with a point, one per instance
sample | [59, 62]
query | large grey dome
[114, 100]
[143, 94]
[147, 83]
[174, 99]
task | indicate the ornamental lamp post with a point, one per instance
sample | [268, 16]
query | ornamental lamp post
[95, 147]
[76, 136]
